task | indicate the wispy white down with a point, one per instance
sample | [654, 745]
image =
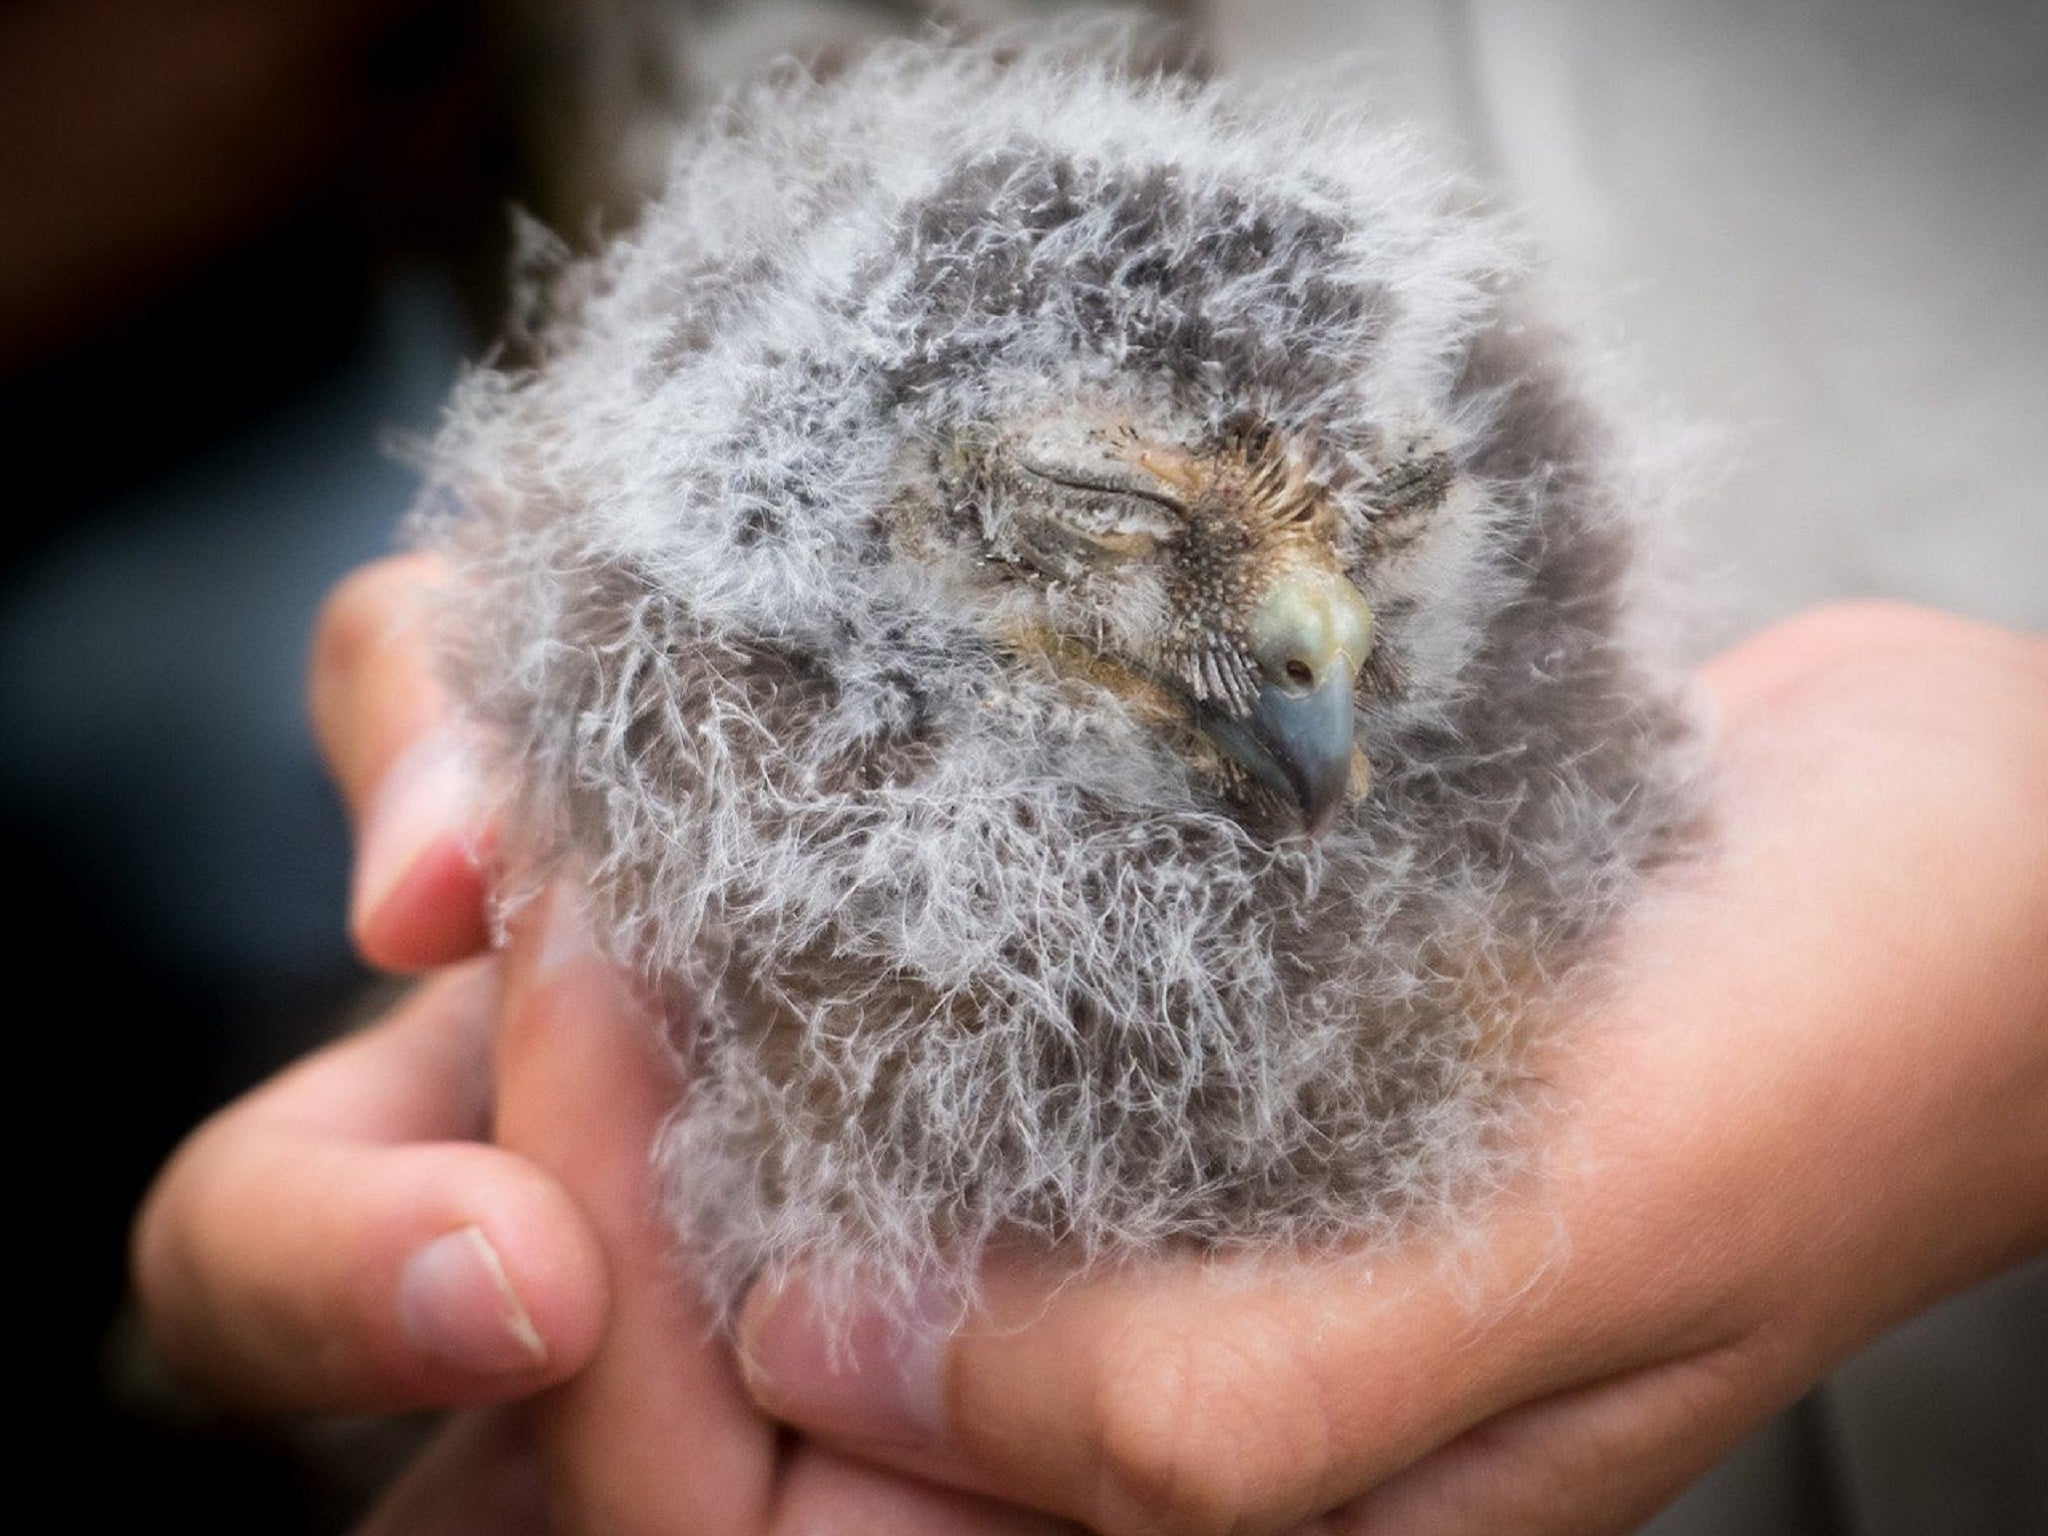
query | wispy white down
[969, 955]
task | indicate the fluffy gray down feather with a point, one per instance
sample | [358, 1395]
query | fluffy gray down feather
[968, 955]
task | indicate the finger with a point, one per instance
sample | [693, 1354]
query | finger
[1198, 1398]
[385, 726]
[821, 1494]
[308, 1249]
[655, 1434]
[1794, 651]
[1597, 1459]
[478, 1477]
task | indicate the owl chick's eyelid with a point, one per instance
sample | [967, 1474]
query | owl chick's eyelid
[1105, 485]
[1062, 549]
[1128, 536]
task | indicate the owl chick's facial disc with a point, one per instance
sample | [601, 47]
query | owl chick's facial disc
[940, 564]
[1203, 585]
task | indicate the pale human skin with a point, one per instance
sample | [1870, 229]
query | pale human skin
[1810, 1100]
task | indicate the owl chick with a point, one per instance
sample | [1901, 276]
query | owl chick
[1073, 623]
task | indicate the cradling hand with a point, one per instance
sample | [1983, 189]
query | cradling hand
[1807, 1098]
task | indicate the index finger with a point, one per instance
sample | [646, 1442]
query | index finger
[387, 730]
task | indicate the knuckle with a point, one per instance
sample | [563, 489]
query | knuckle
[1845, 636]
[352, 616]
[1858, 622]
[1208, 1436]
[171, 1224]
[174, 1266]
[359, 617]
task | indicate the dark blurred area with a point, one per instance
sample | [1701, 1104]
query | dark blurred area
[244, 248]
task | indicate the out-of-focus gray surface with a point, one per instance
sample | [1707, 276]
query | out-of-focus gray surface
[1942, 1426]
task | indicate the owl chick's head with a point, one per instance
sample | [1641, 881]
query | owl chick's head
[1155, 422]
[1201, 584]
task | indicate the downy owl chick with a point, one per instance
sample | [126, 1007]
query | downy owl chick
[1075, 625]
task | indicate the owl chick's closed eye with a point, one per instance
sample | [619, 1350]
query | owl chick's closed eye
[1203, 584]
[1074, 620]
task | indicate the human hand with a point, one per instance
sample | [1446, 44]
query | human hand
[1615, 1329]
[1810, 1098]
[344, 1238]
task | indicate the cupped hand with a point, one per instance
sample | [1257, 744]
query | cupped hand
[453, 1206]
[1808, 1096]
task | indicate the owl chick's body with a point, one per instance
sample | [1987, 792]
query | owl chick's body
[1075, 621]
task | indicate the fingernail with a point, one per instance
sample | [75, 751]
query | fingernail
[871, 1374]
[427, 796]
[457, 1303]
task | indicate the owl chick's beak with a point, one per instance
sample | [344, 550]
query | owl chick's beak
[1310, 634]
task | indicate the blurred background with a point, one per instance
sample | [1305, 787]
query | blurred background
[245, 249]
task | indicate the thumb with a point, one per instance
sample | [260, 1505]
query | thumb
[339, 1241]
